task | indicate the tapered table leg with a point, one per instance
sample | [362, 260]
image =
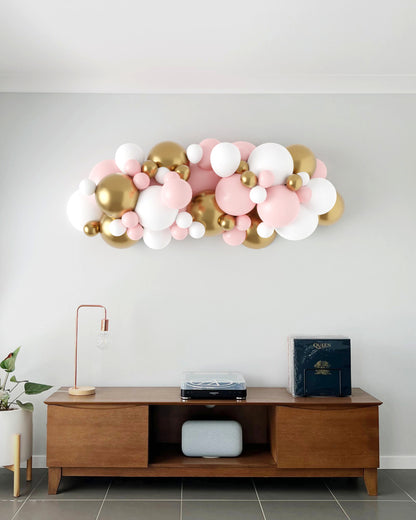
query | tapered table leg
[29, 470]
[370, 480]
[16, 465]
[54, 478]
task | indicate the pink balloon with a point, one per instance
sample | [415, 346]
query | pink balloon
[233, 197]
[207, 146]
[177, 232]
[304, 194]
[130, 219]
[202, 180]
[176, 193]
[320, 170]
[132, 167]
[135, 233]
[235, 237]
[245, 149]
[141, 180]
[266, 178]
[102, 169]
[243, 222]
[280, 207]
[170, 176]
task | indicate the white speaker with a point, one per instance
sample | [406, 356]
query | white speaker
[212, 438]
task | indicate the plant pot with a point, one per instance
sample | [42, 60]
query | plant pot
[12, 422]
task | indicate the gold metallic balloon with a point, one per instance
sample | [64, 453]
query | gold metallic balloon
[168, 154]
[204, 208]
[242, 167]
[294, 182]
[253, 240]
[304, 160]
[333, 214]
[227, 222]
[120, 242]
[92, 228]
[116, 194]
[150, 168]
[184, 171]
[249, 179]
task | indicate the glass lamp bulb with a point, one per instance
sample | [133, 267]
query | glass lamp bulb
[103, 340]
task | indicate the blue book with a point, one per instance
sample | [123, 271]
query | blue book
[319, 366]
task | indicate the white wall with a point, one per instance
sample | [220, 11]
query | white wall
[201, 304]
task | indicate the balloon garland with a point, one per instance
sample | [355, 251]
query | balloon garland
[248, 194]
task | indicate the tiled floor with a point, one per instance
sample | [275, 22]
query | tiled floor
[209, 499]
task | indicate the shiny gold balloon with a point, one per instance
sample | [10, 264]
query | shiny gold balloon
[249, 179]
[168, 154]
[120, 242]
[303, 159]
[116, 194]
[150, 168]
[253, 240]
[92, 228]
[204, 208]
[227, 222]
[294, 182]
[333, 214]
[242, 167]
[184, 171]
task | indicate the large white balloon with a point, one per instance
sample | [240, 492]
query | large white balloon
[324, 196]
[157, 239]
[273, 157]
[225, 159]
[302, 227]
[128, 151]
[81, 209]
[153, 214]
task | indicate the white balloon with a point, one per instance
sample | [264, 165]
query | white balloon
[153, 214]
[128, 151]
[225, 159]
[157, 239]
[87, 187]
[160, 174]
[197, 230]
[81, 209]
[305, 178]
[302, 227]
[184, 220]
[264, 231]
[324, 196]
[258, 194]
[117, 228]
[194, 153]
[273, 157]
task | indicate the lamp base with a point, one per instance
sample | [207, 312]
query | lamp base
[82, 390]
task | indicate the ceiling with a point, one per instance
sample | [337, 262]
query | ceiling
[216, 46]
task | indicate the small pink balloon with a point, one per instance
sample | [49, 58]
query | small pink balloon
[177, 232]
[202, 180]
[141, 180]
[176, 193]
[280, 207]
[320, 170]
[266, 178]
[233, 197]
[304, 194]
[135, 233]
[235, 237]
[102, 169]
[245, 149]
[207, 146]
[131, 167]
[243, 222]
[130, 219]
[170, 176]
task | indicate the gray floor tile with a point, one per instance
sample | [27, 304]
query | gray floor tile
[6, 483]
[73, 488]
[8, 508]
[292, 489]
[218, 488]
[405, 478]
[380, 510]
[303, 510]
[354, 489]
[59, 510]
[145, 488]
[226, 510]
[140, 511]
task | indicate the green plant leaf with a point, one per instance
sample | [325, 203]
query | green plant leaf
[14, 380]
[25, 406]
[35, 388]
[8, 363]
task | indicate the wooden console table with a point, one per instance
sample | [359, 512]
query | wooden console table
[137, 432]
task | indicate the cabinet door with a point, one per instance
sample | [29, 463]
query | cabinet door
[326, 437]
[97, 436]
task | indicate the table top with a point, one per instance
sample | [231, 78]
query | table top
[171, 396]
